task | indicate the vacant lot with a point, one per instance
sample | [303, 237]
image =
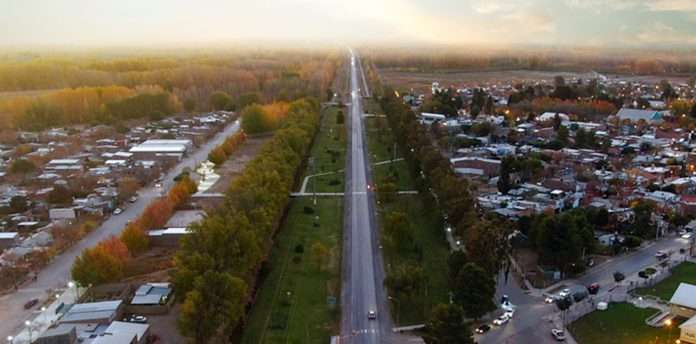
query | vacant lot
[684, 272]
[622, 323]
[237, 161]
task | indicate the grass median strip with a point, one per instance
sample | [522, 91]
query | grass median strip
[299, 299]
[426, 251]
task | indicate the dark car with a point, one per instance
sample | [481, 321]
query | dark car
[483, 329]
[31, 303]
[593, 288]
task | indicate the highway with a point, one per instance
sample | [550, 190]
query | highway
[363, 271]
[57, 274]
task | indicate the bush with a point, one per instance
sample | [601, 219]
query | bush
[632, 241]
[299, 248]
[308, 210]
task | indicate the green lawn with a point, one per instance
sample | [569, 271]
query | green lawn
[432, 250]
[622, 323]
[291, 306]
[328, 154]
[684, 272]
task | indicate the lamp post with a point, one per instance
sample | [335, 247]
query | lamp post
[43, 313]
[398, 308]
[10, 339]
[668, 323]
[28, 323]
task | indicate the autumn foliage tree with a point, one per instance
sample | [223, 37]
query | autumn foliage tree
[103, 263]
[135, 238]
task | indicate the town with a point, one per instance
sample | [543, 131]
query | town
[365, 172]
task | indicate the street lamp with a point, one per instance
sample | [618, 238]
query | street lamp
[398, 308]
[28, 323]
[668, 323]
[10, 339]
[43, 312]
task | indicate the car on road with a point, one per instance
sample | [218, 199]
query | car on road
[133, 199]
[687, 235]
[372, 315]
[501, 320]
[557, 334]
[593, 288]
[31, 303]
[565, 292]
[483, 329]
[549, 299]
[117, 211]
[158, 185]
[660, 254]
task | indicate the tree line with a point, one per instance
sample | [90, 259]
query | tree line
[485, 239]
[106, 262]
[217, 263]
[223, 151]
[87, 105]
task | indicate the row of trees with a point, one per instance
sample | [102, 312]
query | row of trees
[105, 262]
[258, 119]
[223, 151]
[485, 240]
[217, 262]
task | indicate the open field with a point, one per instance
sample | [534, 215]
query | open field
[430, 252]
[622, 323]
[684, 272]
[421, 81]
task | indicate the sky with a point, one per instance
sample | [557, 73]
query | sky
[611, 23]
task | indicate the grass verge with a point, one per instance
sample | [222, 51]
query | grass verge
[430, 250]
[622, 323]
[304, 270]
[329, 154]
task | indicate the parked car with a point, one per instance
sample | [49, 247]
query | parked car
[593, 288]
[687, 235]
[579, 295]
[372, 315]
[557, 334]
[482, 329]
[501, 320]
[661, 254]
[549, 299]
[133, 199]
[117, 211]
[140, 319]
[31, 303]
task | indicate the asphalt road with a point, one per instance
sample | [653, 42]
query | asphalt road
[363, 272]
[57, 274]
[530, 324]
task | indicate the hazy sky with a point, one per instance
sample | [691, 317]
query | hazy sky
[641, 23]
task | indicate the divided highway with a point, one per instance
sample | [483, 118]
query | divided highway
[363, 272]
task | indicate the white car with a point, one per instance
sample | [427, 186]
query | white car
[549, 299]
[371, 315]
[501, 320]
[559, 335]
[117, 211]
[687, 235]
